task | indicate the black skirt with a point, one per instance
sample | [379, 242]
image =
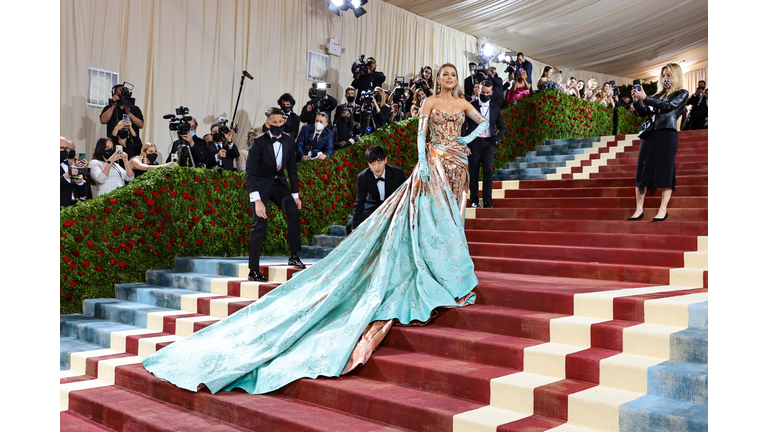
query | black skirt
[656, 160]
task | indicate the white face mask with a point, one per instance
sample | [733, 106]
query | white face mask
[319, 126]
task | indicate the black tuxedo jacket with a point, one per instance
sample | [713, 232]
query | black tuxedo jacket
[261, 166]
[368, 198]
[469, 86]
[495, 119]
[228, 163]
[69, 188]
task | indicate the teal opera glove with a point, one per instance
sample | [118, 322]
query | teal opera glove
[481, 127]
[423, 166]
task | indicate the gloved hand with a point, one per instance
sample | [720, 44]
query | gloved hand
[471, 137]
[423, 166]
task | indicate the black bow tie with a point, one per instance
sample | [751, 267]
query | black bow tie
[378, 179]
[273, 138]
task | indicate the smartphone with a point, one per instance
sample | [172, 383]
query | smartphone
[174, 157]
[81, 156]
[126, 117]
[637, 85]
[119, 149]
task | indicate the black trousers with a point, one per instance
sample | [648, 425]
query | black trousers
[281, 197]
[482, 155]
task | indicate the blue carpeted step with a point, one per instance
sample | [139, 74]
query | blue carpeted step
[534, 158]
[152, 295]
[698, 315]
[529, 165]
[121, 311]
[679, 380]
[210, 265]
[327, 241]
[527, 172]
[338, 230]
[502, 177]
[200, 282]
[689, 345]
[71, 344]
[652, 413]
[92, 330]
[314, 251]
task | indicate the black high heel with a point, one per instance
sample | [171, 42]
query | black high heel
[661, 219]
[637, 218]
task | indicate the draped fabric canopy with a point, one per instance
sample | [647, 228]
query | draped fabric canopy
[619, 37]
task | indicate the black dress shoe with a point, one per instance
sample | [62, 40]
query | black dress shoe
[488, 206]
[661, 219]
[256, 276]
[637, 218]
[294, 261]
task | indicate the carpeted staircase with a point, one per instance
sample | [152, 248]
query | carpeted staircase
[583, 322]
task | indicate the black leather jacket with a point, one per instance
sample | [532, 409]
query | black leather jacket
[662, 113]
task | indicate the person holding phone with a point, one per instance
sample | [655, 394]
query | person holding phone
[146, 160]
[127, 136]
[109, 167]
[115, 112]
[72, 187]
[656, 158]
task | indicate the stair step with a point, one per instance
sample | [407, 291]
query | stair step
[73, 422]
[670, 226]
[679, 380]
[604, 240]
[593, 255]
[652, 413]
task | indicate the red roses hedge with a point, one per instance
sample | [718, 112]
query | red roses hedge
[171, 212]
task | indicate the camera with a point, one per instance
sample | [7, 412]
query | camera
[317, 95]
[179, 124]
[366, 110]
[126, 94]
[360, 66]
[399, 91]
[80, 170]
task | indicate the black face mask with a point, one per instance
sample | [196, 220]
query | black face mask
[122, 134]
[350, 99]
[152, 157]
[485, 98]
[378, 98]
[218, 137]
[276, 130]
[286, 109]
[63, 154]
[108, 153]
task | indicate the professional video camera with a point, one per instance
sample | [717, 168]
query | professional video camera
[125, 96]
[179, 124]
[360, 66]
[400, 90]
[223, 128]
[317, 95]
[615, 89]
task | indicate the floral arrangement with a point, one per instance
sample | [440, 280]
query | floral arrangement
[170, 212]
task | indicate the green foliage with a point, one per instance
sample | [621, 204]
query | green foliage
[180, 211]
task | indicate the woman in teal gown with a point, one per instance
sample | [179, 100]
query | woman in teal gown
[407, 259]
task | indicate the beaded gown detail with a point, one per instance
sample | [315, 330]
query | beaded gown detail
[404, 261]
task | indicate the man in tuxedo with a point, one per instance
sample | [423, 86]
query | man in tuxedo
[469, 82]
[520, 64]
[498, 87]
[222, 152]
[269, 156]
[196, 144]
[481, 149]
[315, 140]
[71, 189]
[374, 185]
[700, 109]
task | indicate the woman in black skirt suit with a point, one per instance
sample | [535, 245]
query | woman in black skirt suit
[656, 160]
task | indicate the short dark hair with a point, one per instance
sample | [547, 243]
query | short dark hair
[702, 81]
[520, 54]
[286, 97]
[350, 88]
[572, 78]
[487, 83]
[375, 153]
[272, 111]
[472, 63]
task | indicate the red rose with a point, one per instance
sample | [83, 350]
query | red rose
[277, 231]
[213, 223]
[173, 194]
[198, 242]
[98, 268]
[156, 234]
[107, 210]
[69, 295]
[90, 243]
[140, 215]
[138, 192]
[113, 261]
[122, 264]
[86, 230]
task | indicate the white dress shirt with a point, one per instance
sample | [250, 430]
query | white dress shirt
[277, 147]
[485, 111]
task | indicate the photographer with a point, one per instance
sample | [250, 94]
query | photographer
[196, 144]
[350, 94]
[521, 65]
[366, 77]
[120, 105]
[469, 82]
[286, 102]
[699, 110]
[222, 152]
[423, 81]
[124, 131]
[498, 87]
[315, 105]
[109, 168]
[315, 141]
[347, 131]
[72, 188]
[383, 111]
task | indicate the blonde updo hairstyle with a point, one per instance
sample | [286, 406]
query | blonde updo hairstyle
[455, 91]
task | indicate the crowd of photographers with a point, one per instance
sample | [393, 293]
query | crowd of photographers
[322, 125]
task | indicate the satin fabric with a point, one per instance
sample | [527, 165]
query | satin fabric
[407, 259]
